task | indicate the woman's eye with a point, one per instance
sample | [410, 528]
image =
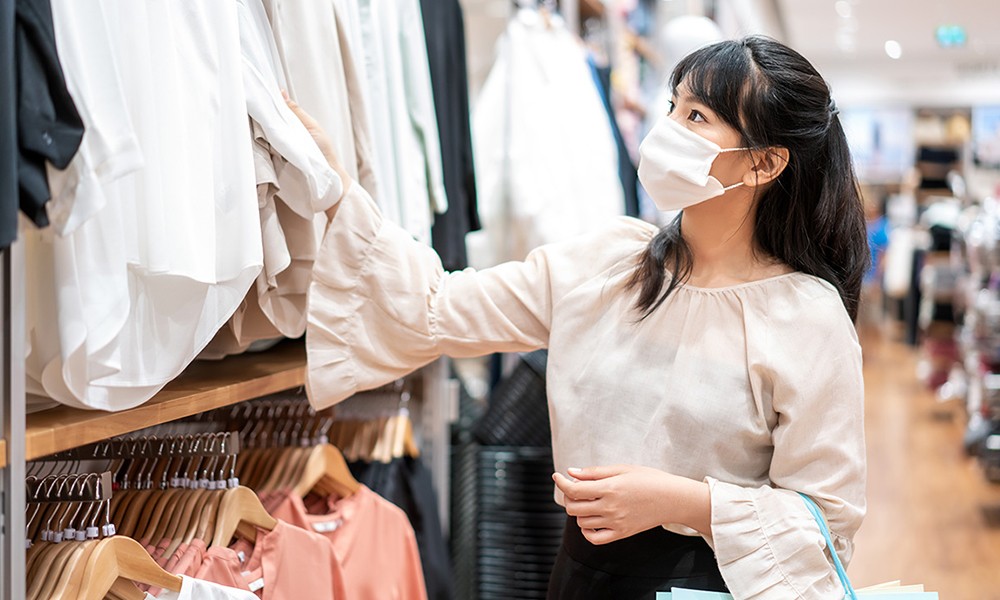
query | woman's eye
[696, 117]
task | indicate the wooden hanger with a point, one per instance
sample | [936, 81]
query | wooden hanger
[124, 589]
[365, 442]
[202, 512]
[405, 444]
[120, 504]
[183, 528]
[72, 574]
[184, 519]
[240, 512]
[166, 504]
[385, 428]
[45, 567]
[120, 557]
[206, 527]
[133, 517]
[359, 433]
[279, 473]
[48, 580]
[244, 464]
[326, 472]
[262, 468]
[336, 434]
[44, 517]
[296, 468]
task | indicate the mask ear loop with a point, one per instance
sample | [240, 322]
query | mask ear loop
[726, 188]
[766, 151]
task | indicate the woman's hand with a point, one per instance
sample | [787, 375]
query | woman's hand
[613, 503]
[320, 137]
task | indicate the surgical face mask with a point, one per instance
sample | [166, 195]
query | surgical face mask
[674, 163]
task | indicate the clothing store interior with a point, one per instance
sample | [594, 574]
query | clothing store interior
[429, 344]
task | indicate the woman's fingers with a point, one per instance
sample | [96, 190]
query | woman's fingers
[591, 522]
[583, 508]
[578, 490]
[303, 116]
[601, 536]
[322, 140]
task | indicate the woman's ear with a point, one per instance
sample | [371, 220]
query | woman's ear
[767, 165]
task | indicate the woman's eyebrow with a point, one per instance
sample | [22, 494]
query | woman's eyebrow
[682, 93]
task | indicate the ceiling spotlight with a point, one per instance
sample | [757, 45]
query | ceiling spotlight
[893, 49]
[843, 8]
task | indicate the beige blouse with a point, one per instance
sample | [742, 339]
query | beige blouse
[755, 388]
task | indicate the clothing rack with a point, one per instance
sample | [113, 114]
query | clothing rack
[12, 421]
[61, 432]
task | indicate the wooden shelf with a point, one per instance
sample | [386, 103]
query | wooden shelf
[203, 386]
[3, 454]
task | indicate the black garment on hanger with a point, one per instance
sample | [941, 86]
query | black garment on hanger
[444, 30]
[8, 128]
[49, 127]
[627, 171]
[407, 483]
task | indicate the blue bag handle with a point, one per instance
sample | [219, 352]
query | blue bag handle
[841, 573]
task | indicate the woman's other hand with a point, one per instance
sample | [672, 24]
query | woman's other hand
[616, 502]
[320, 137]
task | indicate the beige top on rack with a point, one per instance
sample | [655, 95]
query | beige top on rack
[205, 385]
[754, 388]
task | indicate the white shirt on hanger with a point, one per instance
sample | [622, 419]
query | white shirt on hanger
[294, 184]
[546, 160]
[109, 148]
[123, 304]
[321, 78]
[406, 133]
[196, 589]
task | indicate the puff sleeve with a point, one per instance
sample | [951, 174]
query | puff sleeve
[766, 541]
[381, 305]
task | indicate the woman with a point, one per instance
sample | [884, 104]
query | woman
[701, 375]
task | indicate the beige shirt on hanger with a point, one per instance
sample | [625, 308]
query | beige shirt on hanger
[755, 388]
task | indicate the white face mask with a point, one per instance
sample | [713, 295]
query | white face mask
[674, 163]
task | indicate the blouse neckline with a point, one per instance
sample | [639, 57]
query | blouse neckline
[737, 286]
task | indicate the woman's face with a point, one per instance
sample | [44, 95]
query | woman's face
[729, 167]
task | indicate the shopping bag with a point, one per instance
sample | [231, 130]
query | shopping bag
[886, 591]
[903, 592]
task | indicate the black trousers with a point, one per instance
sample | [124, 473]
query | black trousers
[634, 568]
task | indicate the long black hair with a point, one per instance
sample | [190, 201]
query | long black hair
[812, 216]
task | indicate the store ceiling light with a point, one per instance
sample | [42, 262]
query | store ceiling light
[843, 8]
[950, 36]
[893, 49]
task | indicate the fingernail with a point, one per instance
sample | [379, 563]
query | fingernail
[574, 470]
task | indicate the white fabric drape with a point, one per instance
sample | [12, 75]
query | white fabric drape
[546, 160]
[124, 301]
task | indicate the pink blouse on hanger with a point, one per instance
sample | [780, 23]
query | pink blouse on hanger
[287, 563]
[374, 541]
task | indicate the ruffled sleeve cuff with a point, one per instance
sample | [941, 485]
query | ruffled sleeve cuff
[769, 547]
[369, 315]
